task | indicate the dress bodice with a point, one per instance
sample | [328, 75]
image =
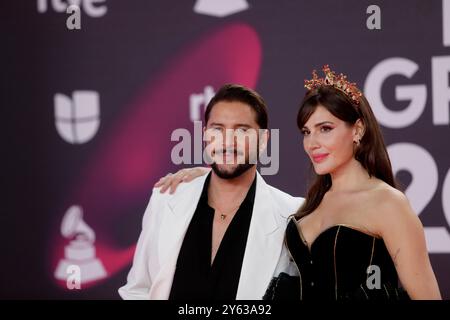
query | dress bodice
[343, 262]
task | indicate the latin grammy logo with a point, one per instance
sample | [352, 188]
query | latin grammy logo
[81, 250]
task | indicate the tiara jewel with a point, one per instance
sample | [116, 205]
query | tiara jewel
[337, 81]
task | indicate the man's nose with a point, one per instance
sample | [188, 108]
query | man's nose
[229, 139]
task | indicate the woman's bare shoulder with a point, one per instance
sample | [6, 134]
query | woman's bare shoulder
[391, 209]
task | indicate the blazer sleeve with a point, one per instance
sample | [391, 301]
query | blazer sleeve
[139, 281]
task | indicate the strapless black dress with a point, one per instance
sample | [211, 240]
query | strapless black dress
[342, 263]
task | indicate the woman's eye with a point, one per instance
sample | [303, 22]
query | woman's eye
[326, 129]
[304, 132]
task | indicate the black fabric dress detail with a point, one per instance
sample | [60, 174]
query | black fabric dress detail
[335, 267]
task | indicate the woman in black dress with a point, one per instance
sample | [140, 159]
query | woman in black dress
[355, 235]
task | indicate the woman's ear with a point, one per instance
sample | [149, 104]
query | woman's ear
[359, 129]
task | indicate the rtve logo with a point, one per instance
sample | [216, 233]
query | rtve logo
[77, 119]
[93, 8]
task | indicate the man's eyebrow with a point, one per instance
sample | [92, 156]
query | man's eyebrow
[216, 124]
[236, 125]
[242, 125]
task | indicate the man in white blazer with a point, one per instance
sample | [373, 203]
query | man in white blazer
[221, 235]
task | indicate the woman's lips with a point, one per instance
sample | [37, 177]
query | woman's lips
[319, 157]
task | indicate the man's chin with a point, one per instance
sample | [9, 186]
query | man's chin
[228, 171]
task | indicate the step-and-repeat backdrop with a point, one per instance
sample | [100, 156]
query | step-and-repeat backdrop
[93, 91]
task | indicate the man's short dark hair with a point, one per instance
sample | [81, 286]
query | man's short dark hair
[235, 92]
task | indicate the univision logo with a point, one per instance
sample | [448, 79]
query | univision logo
[77, 119]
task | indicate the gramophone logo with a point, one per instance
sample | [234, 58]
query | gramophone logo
[79, 254]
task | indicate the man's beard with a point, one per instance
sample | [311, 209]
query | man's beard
[240, 168]
[236, 172]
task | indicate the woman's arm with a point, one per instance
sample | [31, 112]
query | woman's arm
[404, 237]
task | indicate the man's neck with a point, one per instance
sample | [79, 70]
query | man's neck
[228, 190]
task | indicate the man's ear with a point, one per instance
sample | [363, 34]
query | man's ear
[264, 136]
[203, 136]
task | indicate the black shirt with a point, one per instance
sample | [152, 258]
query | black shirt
[195, 278]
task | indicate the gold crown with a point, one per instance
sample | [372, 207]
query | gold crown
[337, 81]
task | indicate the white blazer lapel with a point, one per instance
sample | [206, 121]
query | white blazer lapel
[264, 245]
[177, 215]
